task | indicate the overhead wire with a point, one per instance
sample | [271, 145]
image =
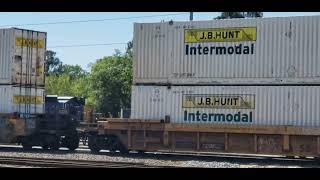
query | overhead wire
[91, 20]
[85, 45]
[86, 21]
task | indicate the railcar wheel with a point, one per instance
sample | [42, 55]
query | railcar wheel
[290, 157]
[55, 145]
[26, 146]
[123, 149]
[141, 152]
[85, 140]
[72, 143]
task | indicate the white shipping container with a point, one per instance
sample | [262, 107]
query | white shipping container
[230, 51]
[245, 105]
[22, 55]
[21, 100]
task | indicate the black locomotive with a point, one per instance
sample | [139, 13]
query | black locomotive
[58, 126]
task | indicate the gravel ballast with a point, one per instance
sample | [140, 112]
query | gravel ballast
[154, 161]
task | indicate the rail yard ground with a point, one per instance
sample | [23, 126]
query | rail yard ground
[146, 160]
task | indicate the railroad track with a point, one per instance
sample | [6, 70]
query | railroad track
[66, 163]
[185, 156]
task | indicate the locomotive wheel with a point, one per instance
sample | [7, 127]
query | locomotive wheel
[93, 144]
[55, 145]
[45, 147]
[72, 143]
[51, 142]
[123, 150]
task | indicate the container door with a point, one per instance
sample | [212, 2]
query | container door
[28, 63]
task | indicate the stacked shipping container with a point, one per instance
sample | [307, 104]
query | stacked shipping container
[22, 54]
[262, 71]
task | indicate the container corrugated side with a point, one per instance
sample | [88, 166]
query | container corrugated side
[6, 55]
[254, 105]
[22, 57]
[286, 50]
[21, 100]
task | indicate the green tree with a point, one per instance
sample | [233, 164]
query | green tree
[58, 85]
[107, 86]
[111, 79]
[53, 65]
[129, 49]
[230, 15]
[65, 85]
[65, 80]
[253, 14]
[74, 71]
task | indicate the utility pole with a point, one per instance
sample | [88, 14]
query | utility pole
[191, 16]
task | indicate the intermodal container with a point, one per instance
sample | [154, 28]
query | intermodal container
[21, 100]
[246, 105]
[281, 50]
[22, 56]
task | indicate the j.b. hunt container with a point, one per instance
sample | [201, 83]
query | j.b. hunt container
[22, 54]
[233, 51]
[21, 100]
[245, 105]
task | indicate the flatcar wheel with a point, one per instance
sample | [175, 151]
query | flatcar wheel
[290, 157]
[26, 146]
[123, 149]
[93, 144]
[141, 152]
[85, 140]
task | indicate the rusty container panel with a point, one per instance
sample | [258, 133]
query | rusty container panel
[22, 57]
[21, 100]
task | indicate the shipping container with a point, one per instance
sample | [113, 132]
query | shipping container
[22, 56]
[21, 100]
[281, 50]
[245, 105]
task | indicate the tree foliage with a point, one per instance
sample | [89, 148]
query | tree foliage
[107, 86]
[53, 65]
[74, 71]
[112, 78]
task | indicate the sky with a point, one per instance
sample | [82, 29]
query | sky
[116, 27]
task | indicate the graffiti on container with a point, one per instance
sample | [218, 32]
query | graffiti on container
[305, 148]
[213, 146]
[183, 75]
[156, 96]
[156, 99]
[267, 143]
[182, 92]
[184, 144]
[159, 36]
[185, 27]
